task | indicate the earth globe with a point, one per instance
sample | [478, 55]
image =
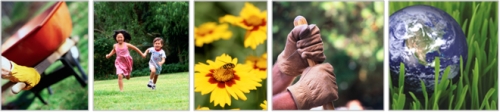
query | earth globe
[417, 35]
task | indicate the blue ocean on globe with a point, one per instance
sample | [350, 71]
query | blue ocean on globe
[417, 35]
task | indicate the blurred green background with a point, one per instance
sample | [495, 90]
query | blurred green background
[479, 21]
[143, 21]
[211, 12]
[352, 34]
[67, 94]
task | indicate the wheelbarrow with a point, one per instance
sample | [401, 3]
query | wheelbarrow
[41, 42]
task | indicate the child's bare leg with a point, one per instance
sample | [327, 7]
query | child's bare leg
[152, 74]
[120, 82]
[156, 78]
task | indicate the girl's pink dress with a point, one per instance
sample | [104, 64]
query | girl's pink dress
[123, 62]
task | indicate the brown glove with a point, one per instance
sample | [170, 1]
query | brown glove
[317, 86]
[303, 42]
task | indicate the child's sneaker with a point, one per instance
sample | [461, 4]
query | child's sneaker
[153, 87]
[150, 84]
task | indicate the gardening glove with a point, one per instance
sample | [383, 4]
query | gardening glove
[303, 42]
[28, 75]
[317, 86]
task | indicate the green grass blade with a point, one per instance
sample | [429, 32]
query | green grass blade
[483, 33]
[475, 79]
[451, 102]
[401, 101]
[487, 98]
[401, 77]
[472, 25]
[415, 100]
[444, 79]
[464, 26]
[491, 65]
[426, 97]
[436, 99]
[437, 67]
[461, 98]
[460, 80]
[493, 105]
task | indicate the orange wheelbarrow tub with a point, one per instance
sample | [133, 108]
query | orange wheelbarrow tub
[40, 37]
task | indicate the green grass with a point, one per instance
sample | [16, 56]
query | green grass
[477, 87]
[172, 93]
[67, 95]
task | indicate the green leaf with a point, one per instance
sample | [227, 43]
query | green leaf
[486, 98]
[475, 79]
[401, 77]
[416, 101]
[424, 91]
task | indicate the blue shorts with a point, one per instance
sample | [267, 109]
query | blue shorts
[158, 68]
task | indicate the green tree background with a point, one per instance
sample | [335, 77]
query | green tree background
[144, 21]
[352, 34]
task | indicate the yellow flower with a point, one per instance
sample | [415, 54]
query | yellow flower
[224, 78]
[254, 21]
[202, 108]
[263, 105]
[209, 32]
[259, 65]
[206, 108]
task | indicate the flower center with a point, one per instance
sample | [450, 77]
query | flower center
[253, 20]
[204, 32]
[223, 75]
[257, 66]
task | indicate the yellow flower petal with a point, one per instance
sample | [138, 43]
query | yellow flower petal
[263, 105]
[206, 108]
[231, 92]
[202, 108]
[239, 93]
[209, 32]
[254, 21]
[255, 38]
[235, 21]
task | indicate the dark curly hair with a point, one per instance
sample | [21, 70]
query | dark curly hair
[158, 39]
[125, 34]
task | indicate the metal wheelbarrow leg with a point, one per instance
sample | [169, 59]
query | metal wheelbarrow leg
[82, 82]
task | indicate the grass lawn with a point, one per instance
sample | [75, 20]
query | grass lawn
[172, 93]
[67, 95]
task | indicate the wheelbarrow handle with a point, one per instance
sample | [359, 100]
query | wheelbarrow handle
[16, 87]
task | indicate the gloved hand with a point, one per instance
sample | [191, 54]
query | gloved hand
[317, 86]
[303, 42]
[27, 75]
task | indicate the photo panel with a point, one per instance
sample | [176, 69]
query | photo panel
[45, 55]
[141, 56]
[230, 71]
[328, 57]
[443, 55]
